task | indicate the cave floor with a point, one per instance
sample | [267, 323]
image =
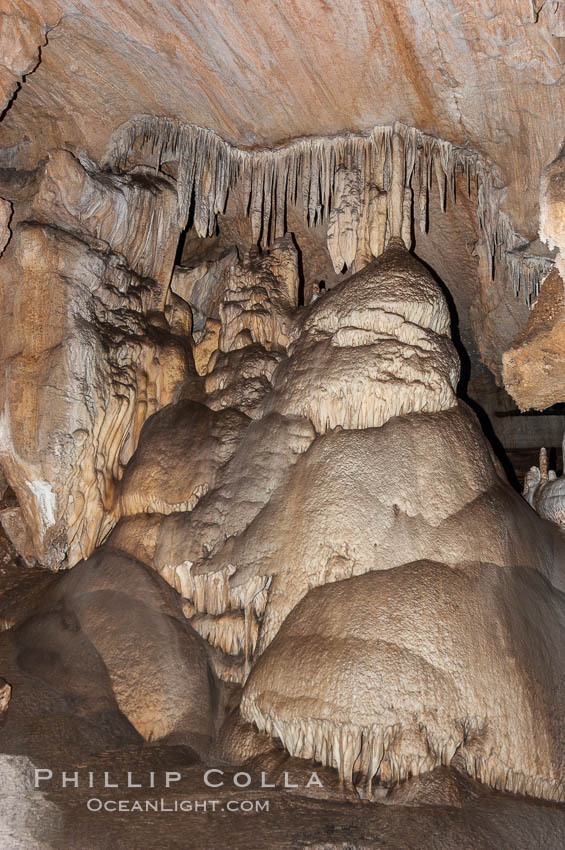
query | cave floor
[60, 818]
[442, 810]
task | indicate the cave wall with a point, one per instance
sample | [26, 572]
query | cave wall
[477, 83]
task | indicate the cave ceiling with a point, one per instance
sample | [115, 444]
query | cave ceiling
[488, 75]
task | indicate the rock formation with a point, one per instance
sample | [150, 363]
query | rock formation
[353, 641]
[532, 366]
[180, 452]
[248, 573]
[5, 216]
[110, 655]
[385, 675]
[282, 300]
[375, 347]
[88, 355]
[5, 696]
[349, 181]
[545, 491]
[21, 39]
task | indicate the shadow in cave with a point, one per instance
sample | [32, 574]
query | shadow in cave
[300, 268]
[462, 388]
[184, 233]
[180, 247]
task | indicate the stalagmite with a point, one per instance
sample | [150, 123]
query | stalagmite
[280, 336]
[241, 378]
[390, 308]
[260, 298]
[178, 458]
[371, 349]
[360, 677]
[545, 491]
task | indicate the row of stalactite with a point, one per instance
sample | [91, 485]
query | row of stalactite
[363, 186]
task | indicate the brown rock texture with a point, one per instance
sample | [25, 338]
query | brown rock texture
[533, 368]
[260, 78]
[21, 39]
[376, 346]
[255, 259]
[5, 216]
[134, 215]
[359, 676]
[483, 79]
[545, 491]
[260, 298]
[178, 457]
[552, 207]
[88, 354]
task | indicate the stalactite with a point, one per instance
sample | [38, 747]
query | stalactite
[527, 273]
[362, 754]
[396, 193]
[344, 219]
[406, 232]
[316, 173]
[377, 220]
[440, 177]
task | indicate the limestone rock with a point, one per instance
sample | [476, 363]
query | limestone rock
[472, 678]
[270, 489]
[532, 368]
[134, 215]
[261, 554]
[202, 286]
[178, 315]
[209, 340]
[20, 38]
[5, 695]
[171, 544]
[137, 535]
[344, 218]
[165, 687]
[439, 787]
[16, 530]
[89, 353]
[5, 216]
[20, 41]
[376, 346]
[100, 681]
[83, 368]
[486, 57]
[28, 818]
[447, 512]
[545, 492]
[177, 461]
[552, 207]
[241, 378]
[260, 299]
